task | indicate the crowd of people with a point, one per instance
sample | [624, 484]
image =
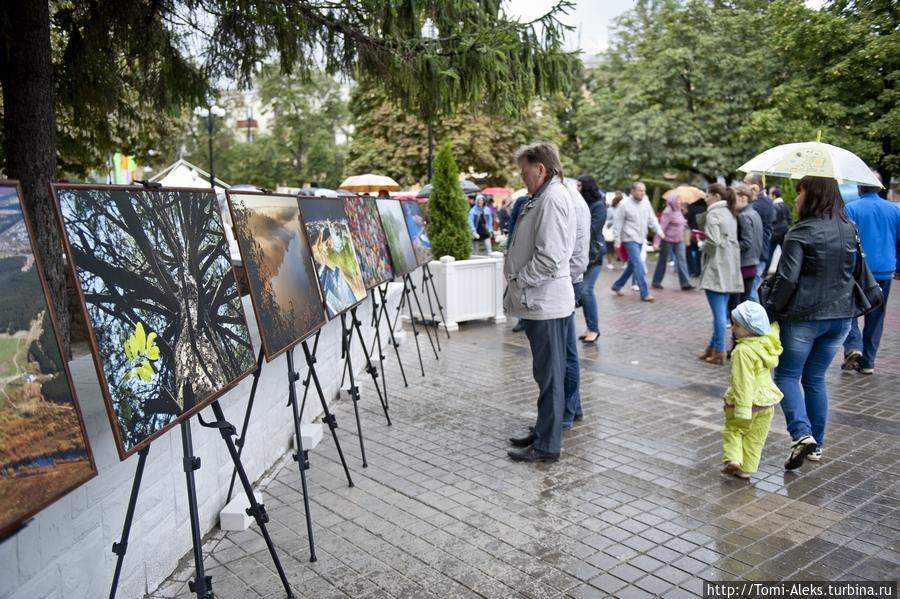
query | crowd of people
[835, 265]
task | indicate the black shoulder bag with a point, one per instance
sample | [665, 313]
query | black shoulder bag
[867, 294]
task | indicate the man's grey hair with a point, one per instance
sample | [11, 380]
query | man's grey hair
[754, 179]
[542, 153]
[636, 183]
[861, 189]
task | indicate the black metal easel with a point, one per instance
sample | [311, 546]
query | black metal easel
[379, 308]
[346, 350]
[409, 289]
[202, 583]
[428, 285]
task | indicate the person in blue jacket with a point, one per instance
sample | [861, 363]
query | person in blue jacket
[481, 223]
[878, 221]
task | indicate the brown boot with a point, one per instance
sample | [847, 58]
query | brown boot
[706, 354]
[717, 357]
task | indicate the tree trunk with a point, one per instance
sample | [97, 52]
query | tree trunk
[29, 125]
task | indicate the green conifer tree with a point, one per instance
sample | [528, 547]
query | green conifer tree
[448, 210]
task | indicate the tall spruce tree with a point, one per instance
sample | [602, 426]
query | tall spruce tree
[448, 210]
[111, 60]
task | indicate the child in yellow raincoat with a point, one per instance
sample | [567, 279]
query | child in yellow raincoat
[750, 400]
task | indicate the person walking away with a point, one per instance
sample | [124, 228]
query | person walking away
[609, 229]
[812, 298]
[751, 398]
[783, 221]
[596, 203]
[750, 240]
[539, 290]
[720, 272]
[672, 223]
[878, 221]
[766, 210]
[503, 216]
[693, 251]
[635, 219]
[481, 224]
[577, 266]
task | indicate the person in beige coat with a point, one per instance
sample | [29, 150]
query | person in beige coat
[720, 273]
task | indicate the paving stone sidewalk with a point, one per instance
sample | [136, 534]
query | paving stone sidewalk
[636, 506]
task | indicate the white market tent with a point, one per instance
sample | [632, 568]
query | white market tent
[182, 173]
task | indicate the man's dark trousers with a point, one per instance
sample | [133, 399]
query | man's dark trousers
[548, 354]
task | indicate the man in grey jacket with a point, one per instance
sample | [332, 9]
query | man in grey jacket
[539, 290]
[577, 266]
[633, 222]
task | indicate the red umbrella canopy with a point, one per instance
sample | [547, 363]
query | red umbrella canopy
[496, 191]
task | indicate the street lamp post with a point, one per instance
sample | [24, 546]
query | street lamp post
[208, 114]
[430, 32]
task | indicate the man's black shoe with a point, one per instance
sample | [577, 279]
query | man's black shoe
[530, 454]
[523, 441]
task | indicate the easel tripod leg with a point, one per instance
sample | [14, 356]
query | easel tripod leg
[202, 584]
[419, 304]
[122, 546]
[370, 368]
[412, 320]
[434, 320]
[387, 317]
[329, 418]
[300, 456]
[256, 509]
[437, 299]
[346, 338]
[243, 437]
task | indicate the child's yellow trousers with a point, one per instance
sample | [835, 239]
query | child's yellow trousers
[743, 440]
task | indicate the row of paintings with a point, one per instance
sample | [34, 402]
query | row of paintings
[164, 314]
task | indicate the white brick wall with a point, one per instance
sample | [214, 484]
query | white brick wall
[65, 552]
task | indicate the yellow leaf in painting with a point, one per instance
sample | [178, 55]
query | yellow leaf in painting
[152, 351]
[140, 338]
[145, 371]
[129, 348]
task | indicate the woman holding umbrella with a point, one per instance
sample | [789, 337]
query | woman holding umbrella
[812, 298]
[814, 293]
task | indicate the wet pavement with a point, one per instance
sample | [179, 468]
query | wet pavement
[636, 507]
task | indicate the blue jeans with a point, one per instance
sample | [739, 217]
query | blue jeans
[588, 299]
[635, 267]
[677, 250]
[761, 269]
[718, 303]
[572, 387]
[868, 341]
[809, 347]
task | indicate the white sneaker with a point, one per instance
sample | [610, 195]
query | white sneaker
[815, 456]
[801, 448]
[635, 288]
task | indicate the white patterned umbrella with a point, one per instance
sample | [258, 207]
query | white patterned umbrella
[369, 182]
[813, 158]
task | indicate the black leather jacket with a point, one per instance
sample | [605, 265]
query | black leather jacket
[814, 280]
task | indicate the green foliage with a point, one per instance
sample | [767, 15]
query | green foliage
[389, 141]
[789, 195]
[839, 73]
[306, 113]
[448, 210]
[674, 89]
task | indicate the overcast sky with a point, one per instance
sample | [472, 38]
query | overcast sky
[591, 19]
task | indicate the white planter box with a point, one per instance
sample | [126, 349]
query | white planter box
[470, 289]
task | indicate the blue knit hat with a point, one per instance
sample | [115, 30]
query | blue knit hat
[752, 317]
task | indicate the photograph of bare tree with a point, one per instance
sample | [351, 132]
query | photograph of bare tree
[164, 314]
[415, 224]
[279, 267]
[44, 450]
[369, 241]
[403, 257]
[329, 238]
